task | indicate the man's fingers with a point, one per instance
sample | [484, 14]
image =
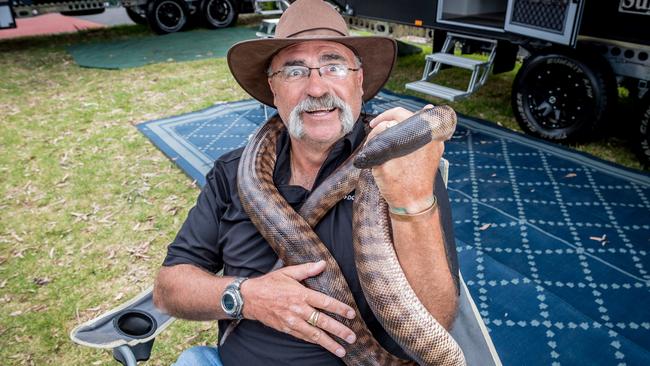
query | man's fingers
[393, 114]
[302, 271]
[381, 127]
[332, 326]
[323, 302]
[318, 336]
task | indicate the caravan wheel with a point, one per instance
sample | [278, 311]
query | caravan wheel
[219, 13]
[135, 16]
[559, 97]
[167, 16]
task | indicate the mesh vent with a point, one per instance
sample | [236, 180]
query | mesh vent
[546, 14]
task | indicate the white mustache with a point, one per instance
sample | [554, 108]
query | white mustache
[311, 104]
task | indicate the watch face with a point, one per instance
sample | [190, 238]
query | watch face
[228, 302]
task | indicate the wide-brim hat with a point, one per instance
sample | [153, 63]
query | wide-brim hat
[307, 20]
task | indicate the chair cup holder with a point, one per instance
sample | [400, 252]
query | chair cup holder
[136, 324]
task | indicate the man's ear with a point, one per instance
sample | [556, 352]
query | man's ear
[360, 80]
[269, 80]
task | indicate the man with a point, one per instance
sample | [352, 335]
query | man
[317, 76]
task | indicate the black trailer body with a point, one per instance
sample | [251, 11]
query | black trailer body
[576, 55]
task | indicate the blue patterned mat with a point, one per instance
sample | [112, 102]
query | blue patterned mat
[553, 244]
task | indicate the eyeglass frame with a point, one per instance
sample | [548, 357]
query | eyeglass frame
[313, 68]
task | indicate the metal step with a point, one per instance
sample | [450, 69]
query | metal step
[459, 61]
[437, 90]
[277, 6]
[270, 12]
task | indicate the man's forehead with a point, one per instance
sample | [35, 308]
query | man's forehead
[313, 49]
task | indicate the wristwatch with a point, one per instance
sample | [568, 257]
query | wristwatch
[232, 302]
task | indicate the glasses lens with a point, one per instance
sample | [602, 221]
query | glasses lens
[293, 73]
[334, 71]
[298, 73]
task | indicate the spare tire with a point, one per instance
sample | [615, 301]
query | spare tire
[561, 97]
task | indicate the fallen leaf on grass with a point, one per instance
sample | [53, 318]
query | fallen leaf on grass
[42, 281]
[3, 284]
[38, 308]
[15, 236]
[16, 313]
[79, 216]
[190, 339]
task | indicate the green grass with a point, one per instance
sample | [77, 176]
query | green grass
[88, 205]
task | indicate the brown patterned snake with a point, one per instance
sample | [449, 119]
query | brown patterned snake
[290, 234]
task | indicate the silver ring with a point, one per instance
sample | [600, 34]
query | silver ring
[313, 318]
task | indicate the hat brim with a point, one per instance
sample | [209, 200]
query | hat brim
[249, 60]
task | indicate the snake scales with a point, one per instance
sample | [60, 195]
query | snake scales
[384, 284]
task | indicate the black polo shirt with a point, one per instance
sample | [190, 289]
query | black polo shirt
[219, 234]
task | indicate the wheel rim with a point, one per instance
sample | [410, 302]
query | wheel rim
[558, 98]
[170, 16]
[219, 12]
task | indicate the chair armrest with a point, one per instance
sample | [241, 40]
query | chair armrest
[129, 329]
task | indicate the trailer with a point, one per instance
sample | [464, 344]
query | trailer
[163, 16]
[578, 56]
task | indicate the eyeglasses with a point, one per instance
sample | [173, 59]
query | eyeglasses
[300, 73]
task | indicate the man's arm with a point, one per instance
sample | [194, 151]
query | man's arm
[186, 286]
[407, 183]
[277, 299]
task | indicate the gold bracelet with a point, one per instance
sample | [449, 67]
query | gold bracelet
[400, 214]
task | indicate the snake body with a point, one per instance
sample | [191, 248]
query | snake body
[385, 286]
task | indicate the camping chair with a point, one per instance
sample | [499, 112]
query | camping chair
[130, 329]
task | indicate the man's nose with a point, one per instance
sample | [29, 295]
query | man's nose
[316, 84]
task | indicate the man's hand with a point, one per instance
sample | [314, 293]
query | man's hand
[280, 301]
[406, 182]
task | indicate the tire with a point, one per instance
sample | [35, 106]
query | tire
[219, 13]
[135, 16]
[167, 16]
[643, 143]
[560, 97]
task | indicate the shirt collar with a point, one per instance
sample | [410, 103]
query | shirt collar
[337, 155]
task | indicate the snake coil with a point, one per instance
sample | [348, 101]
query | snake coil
[291, 236]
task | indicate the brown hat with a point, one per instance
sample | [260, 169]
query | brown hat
[308, 20]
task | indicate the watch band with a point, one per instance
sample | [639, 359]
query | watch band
[236, 284]
[232, 301]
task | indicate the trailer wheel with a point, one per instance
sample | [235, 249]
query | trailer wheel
[135, 16]
[219, 13]
[643, 146]
[559, 97]
[167, 16]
